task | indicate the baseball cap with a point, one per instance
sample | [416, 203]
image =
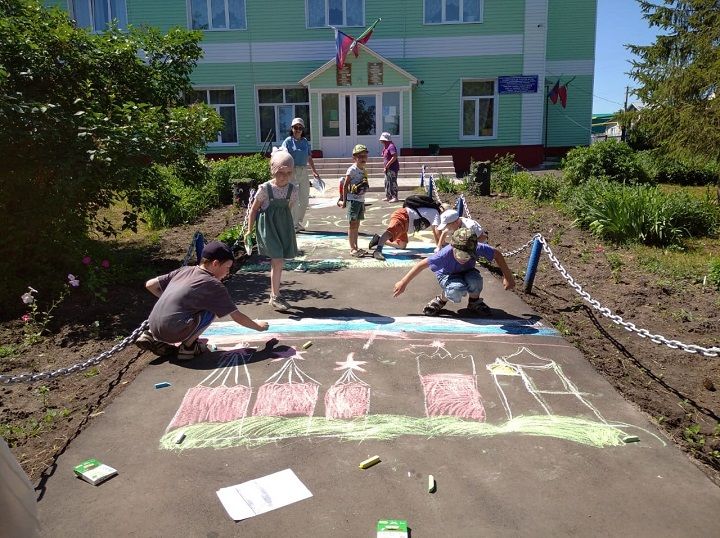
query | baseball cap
[359, 149]
[386, 137]
[464, 244]
[447, 217]
[217, 250]
[298, 121]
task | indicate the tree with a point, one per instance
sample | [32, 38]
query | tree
[678, 76]
[83, 119]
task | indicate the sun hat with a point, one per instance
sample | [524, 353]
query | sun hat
[217, 250]
[464, 243]
[298, 121]
[385, 137]
[359, 148]
[448, 217]
[281, 161]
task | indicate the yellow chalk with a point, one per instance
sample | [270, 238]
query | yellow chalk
[307, 344]
[431, 484]
[370, 462]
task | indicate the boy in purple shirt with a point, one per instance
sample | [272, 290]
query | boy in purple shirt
[454, 268]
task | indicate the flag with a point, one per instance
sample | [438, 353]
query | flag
[342, 46]
[562, 93]
[553, 95]
[364, 38]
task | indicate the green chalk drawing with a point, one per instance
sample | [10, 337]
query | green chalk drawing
[259, 431]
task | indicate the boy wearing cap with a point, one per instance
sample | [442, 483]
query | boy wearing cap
[451, 220]
[404, 222]
[352, 196]
[391, 168]
[299, 147]
[454, 268]
[189, 300]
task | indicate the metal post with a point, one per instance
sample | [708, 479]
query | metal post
[199, 246]
[532, 265]
[422, 176]
[460, 205]
[430, 187]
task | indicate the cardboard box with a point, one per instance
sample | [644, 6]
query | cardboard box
[392, 528]
[94, 471]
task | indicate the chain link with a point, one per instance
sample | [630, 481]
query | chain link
[520, 249]
[79, 367]
[628, 326]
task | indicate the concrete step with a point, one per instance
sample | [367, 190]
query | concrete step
[410, 167]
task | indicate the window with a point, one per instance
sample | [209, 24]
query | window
[217, 14]
[277, 107]
[223, 101]
[95, 15]
[452, 11]
[391, 112]
[322, 13]
[478, 108]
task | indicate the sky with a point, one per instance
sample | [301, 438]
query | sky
[619, 22]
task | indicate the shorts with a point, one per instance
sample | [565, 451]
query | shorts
[457, 285]
[355, 210]
[398, 227]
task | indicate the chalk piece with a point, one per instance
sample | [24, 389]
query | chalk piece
[162, 385]
[212, 347]
[370, 462]
[307, 344]
[632, 439]
[431, 484]
[180, 438]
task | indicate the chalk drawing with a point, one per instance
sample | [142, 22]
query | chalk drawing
[349, 397]
[276, 398]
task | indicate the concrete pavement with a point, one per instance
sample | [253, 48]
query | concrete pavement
[523, 437]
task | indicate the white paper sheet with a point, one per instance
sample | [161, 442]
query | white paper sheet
[263, 494]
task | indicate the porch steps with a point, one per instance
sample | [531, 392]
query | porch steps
[332, 168]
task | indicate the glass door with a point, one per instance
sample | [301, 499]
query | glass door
[349, 119]
[364, 126]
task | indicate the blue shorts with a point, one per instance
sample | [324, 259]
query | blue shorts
[457, 285]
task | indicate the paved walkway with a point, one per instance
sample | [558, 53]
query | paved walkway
[523, 437]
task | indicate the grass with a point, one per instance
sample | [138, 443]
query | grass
[690, 265]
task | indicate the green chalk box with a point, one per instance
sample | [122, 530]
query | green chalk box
[94, 471]
[392, 528]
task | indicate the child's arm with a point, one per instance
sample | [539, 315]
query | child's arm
[508, 278]
[401, 284]
[254, 208]
[346, 189]
[241, 319]
[153, 286]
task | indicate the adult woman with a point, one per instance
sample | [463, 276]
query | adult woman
[299, 147]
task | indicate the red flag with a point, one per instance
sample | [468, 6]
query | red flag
[364, 38]
[342, 46]
[553, 95]
[562, 93]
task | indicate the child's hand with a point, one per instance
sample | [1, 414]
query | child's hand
[508, 284]
[339, 203]
[263, 325]
[400, 286]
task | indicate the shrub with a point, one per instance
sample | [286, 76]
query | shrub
[714, 272]
[538, 187]
[686, 171]
[446, 185]
[610, 161]
[503, 169]
[251, 170]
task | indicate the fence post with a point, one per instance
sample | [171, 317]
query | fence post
[532, 265]
[422, 176]
[430, 187]
[199, 246]
[460, 205]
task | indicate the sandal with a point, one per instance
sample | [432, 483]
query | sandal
[434, 307]
[479, 307]
[186, 353]
[359, 253]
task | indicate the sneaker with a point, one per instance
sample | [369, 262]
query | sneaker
[148, 342]
[479, 307]
[434, 307]
[188, 353]
[378, 255]
[374, 241]
[278, 303]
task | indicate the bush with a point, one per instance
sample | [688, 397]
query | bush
[446, 185]
[714, 272]
[641, 213]
[503, 169]
[251, 170]
[538, 187]
[686, 171]
[609, 161]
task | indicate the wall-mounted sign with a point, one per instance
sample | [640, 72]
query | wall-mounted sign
[375, 73]
[518, 84]
[344, 75]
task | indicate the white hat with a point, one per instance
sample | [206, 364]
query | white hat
[447, 217]
[298, 121]
[386, 137]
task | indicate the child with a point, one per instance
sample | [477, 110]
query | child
[451, 220]
[454, 268]
[189, 300]
[405, 221]
[275, 233]
[353, 191]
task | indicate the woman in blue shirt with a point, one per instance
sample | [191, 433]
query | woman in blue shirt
[299, 147]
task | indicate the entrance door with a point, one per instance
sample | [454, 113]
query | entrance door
[349, 119]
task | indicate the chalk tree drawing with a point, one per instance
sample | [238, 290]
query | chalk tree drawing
[539, 376]
[276, 398]
[349, 397]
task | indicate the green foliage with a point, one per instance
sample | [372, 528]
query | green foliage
[8, 350]
[677, 76]
[446, 185]
[247, 172]
[538, 187]
[714, 272]
[503, 169]
[232, 234]
[662, 168]
[82, 119]
[609, 161]
[641, 213]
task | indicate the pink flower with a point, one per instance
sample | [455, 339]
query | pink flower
[87, 260]
[73, 280]
[105, 264]
[26, 318]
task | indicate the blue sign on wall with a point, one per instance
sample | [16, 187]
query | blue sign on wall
[518, 84]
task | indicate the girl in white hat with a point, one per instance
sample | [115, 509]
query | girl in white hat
[299, 148]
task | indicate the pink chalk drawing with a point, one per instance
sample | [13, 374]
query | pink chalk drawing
[194, 407]
[229, 403]
[276, 399]
[349, 397]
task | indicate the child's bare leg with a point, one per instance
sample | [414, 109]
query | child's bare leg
[353, 234]
[276, 267]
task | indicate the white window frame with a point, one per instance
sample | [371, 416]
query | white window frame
[210, 28]
[327, 16]
[216, 107]
[481, 8]
[477, 98]
[258, 104]
[71, 11]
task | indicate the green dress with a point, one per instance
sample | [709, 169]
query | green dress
[276, 228]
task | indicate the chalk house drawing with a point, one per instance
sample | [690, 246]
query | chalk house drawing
[215, 414]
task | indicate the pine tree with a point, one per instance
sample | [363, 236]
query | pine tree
[679, 76]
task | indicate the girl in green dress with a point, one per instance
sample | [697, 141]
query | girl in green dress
[275, 232]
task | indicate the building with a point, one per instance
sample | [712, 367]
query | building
[469, 78]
